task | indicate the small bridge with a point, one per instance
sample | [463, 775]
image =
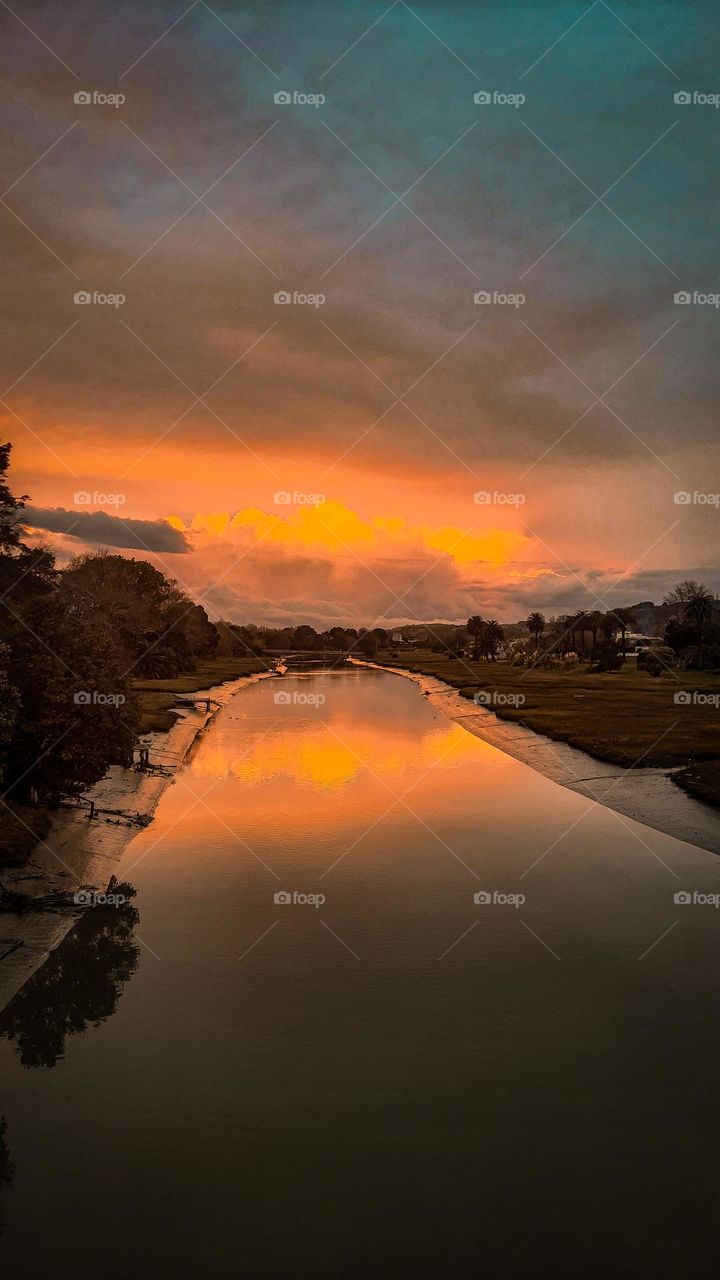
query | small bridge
[308, 659]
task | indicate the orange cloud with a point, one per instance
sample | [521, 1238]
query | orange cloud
[336, 528]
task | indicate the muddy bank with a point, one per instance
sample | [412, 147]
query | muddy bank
[79, 852]
[647, 795]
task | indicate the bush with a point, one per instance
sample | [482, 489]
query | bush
[655, 661]
[607, 657]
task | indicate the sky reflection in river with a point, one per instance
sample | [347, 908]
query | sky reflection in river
[400, 1080]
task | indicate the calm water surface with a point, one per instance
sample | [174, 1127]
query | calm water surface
[399, 1081]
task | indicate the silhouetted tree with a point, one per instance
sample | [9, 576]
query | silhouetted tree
[491, 639]
[536, 625]
[475, 626]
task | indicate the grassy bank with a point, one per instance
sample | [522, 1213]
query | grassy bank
[628, 718]
[158, 697]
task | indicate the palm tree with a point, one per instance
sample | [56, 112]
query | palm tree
[475, 627]
[625, 619]
[494, 636]
[536, 625]
[594, 621]
[577, 623]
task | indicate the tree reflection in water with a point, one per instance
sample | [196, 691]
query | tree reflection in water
[79, 984]
[7, 1168]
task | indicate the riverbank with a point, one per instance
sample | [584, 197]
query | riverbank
[648, 794]
[76, 852]
[627, 718]
[158, 698]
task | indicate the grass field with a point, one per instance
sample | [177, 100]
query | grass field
[628, 717]
[159, 697]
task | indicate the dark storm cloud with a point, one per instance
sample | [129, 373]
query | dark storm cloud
[100, 528]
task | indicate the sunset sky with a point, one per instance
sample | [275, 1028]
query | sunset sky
[169, 426]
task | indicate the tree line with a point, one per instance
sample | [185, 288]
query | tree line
[364, 642]
[71, 642]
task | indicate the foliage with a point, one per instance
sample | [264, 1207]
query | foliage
[693, 628]
[536, 625]
[67, 708]
[158, 629]
[487, 635]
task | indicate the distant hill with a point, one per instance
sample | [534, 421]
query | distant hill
[650, 620]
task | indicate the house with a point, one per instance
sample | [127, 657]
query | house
[635, 642]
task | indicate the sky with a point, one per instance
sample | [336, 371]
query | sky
[382, 447]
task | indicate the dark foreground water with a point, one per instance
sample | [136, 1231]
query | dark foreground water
[399, 1081]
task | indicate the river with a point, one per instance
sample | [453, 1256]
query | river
[380, 1076]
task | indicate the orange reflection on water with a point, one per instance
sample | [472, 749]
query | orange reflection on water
[321, 756]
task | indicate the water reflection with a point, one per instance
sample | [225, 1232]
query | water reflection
[329, 757]
[79, 985]
[7, 1168]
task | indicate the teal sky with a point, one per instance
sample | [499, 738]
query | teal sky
[500, 198]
